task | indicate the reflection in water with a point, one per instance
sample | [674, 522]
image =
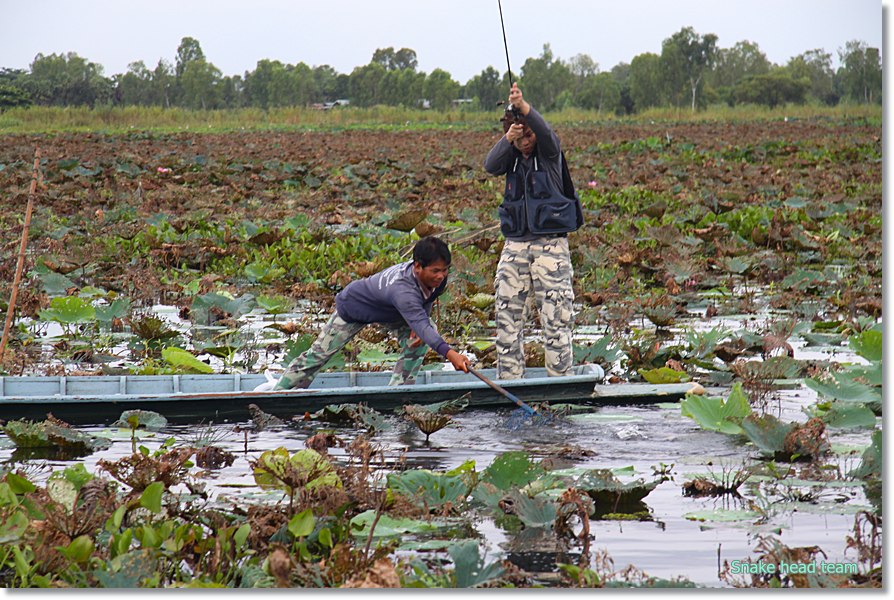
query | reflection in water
[639, 438]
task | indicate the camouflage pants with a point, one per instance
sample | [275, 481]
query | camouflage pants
[540, 269]
[335, 335]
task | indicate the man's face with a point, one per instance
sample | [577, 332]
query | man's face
[526, 142]
[432, 275]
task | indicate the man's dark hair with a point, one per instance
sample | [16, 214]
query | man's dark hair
[430, 249]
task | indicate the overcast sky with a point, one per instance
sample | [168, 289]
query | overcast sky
[460, 36]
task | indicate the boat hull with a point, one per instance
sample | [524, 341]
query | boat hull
[192, 398]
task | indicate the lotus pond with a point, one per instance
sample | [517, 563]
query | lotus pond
[600, 496]
[744, 256]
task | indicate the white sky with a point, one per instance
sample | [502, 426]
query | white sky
[461, 36]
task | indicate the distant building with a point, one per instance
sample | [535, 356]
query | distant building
[333, 104]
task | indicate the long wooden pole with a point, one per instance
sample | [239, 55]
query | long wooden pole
[20, 265]
[503, 391]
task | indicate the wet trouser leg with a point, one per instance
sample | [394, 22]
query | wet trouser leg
[542, 268]
[335, 335]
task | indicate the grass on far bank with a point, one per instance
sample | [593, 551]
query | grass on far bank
[39, 120]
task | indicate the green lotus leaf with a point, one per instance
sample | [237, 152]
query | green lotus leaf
[430, 489]
[184, 360]
[867, 344]
[664, 375]
[716, 414]
[69, 310]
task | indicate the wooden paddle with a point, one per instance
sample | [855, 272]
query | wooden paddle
[502, 391]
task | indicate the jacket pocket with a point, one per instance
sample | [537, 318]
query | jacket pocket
[512, 218]
[554, 215]
[515, 189]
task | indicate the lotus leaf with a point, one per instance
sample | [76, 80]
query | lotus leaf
[118, 309]
[511, 469]
[151, 496]
[664, 375]
[469, 567]
[388, 526]
[184, 360]
[203, 306]
[358, 414]
[722, 516]
[14, 526]
[846, 415]
[843, 386]
[17, 485]
[275, 305]
[429, 489]
[601, 349]
[532, 511]
[376, 356]
[27, 434]
[69, 310]
[766, 432]
[610, 495]
[62, 491]
[136, 419]
[277, 469]
[871, 465]
[716, 414]
[867, 344]
[822, 339]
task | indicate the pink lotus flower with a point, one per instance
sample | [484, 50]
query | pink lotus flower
[592, 184]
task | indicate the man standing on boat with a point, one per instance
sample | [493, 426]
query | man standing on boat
[400, 298]
[538, 211]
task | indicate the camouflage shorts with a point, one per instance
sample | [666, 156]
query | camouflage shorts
[538, 270]
[335, 335]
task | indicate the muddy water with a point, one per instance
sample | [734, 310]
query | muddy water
[647, 438]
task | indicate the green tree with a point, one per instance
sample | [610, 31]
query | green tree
[67, 80]
[392, 60]
[861, 72]
[685, 58]
[732, 65]
[326, 83]
[621, 73]
[815, 65]
[486, 88]
[582, 67]
[544, 79]
[12, 92]
[440, 89]
[135, 86]
[646, 87]
[259, 81]
[365, 83]
[200, 85]
[773, 89]
[231, 92]
[601, 92]
[188, 51]
[163, 84]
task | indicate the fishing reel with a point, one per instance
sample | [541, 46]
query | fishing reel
[511, 116]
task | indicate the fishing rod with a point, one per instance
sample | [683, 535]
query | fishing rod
[505, 45]
[512, 113]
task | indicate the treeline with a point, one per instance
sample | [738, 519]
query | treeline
[690, 72]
